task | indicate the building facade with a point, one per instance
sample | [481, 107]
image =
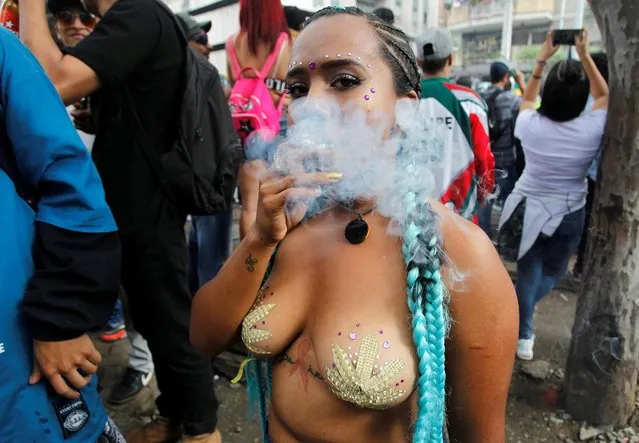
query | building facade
[477, 30]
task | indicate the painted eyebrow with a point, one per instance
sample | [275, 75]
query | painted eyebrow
[325, 65]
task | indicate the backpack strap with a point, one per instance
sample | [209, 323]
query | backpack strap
[270, 61]
[236, 70]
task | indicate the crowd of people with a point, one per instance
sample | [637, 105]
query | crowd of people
[94, 229]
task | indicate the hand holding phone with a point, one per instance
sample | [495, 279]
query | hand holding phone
[549, 48]
[582, 44]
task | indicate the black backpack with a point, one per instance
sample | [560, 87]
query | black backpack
[199, 172]
[496, 127]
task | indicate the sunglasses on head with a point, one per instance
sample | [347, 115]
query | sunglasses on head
[68, 16]
[202, 39]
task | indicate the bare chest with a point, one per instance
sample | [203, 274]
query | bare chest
[340, 309]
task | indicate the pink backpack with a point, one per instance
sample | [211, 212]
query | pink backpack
[251, 104]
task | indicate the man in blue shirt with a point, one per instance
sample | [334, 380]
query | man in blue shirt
[59, 265]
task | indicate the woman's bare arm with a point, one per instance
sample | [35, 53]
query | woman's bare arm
[249, 185]
[481, 349]
[221, 304]
[546, 51]
[598, 85]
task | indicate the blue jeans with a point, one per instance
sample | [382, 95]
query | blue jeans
[484, 217]
[505, 177]
[209, 246]
[541, 268]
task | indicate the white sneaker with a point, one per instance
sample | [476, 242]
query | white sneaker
[525, 348]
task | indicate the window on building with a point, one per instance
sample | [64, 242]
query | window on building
[318, 3]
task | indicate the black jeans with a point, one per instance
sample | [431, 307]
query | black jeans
[154, 275]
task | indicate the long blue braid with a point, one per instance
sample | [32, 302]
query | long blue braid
[426, 301]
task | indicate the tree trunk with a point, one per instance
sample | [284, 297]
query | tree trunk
[603, 364]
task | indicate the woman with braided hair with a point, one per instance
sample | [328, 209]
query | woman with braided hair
[339, 353]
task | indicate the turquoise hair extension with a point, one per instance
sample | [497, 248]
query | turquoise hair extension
[425, 294]
[258, 383]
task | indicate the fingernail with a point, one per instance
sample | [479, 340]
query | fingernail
[335, 176]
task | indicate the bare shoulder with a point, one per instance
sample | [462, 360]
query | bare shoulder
[482, 296]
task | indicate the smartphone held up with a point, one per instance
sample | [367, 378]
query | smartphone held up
[565, 37]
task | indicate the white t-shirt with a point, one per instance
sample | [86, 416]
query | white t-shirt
[87, 139]
[558, 154]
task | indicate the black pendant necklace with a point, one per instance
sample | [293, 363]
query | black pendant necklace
[357, 230]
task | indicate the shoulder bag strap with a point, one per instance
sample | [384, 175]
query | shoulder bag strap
[270, 61]
[236, 69]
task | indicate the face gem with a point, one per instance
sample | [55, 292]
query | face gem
[339, 55]
[359, 58]
[326, 56]
[339, 333]
[352, 336]
[349, 54]
[312, 66]
[357, 324]
[373, 90]
[368, 66]
[386, 345]
[367, 97]
[381, 332]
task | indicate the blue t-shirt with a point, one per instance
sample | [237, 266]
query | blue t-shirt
[51, 157]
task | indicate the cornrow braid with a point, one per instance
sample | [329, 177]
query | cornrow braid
[394, 47]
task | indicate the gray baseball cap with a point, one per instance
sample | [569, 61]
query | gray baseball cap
[434, 44]
[192, 27]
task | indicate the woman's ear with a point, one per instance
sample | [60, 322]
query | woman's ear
[412, 95]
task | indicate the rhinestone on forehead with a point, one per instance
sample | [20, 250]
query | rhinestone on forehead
[312, 66]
